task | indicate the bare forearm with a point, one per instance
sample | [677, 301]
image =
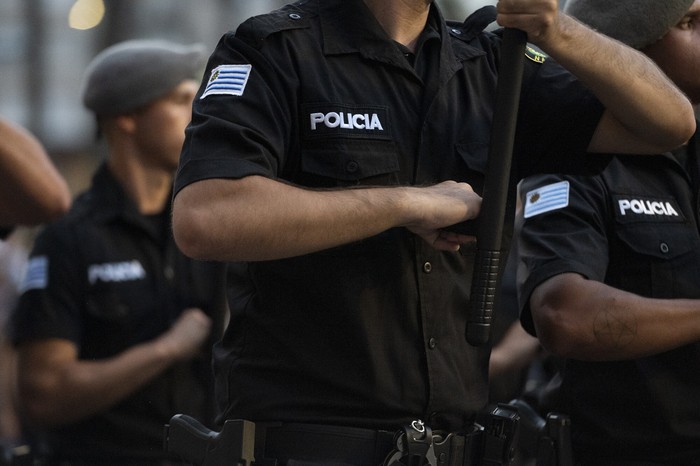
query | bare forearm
[259, 219]
[56, 387]
[83, 388]
[585, 319]
[640, 98]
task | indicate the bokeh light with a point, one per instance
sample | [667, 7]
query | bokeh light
[86, 14]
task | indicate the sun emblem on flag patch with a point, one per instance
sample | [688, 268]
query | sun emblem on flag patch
[228, 80]
[546, 199]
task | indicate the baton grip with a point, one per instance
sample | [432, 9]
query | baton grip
[483, 295]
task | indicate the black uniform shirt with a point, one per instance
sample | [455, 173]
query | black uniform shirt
[104, 278]
[634, 227]
[370, 333]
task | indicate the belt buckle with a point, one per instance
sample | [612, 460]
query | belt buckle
[413, 446]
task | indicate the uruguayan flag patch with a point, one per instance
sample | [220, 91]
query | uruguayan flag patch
[227, 80]
[37, 274]
[547, 198]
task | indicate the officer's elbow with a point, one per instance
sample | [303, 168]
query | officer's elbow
[556, 321]
[555, 332]
[684, 130]
[191, 228]
[58, 204]
[187, 232]
[36, 208]
[677, 123]
[691, 127]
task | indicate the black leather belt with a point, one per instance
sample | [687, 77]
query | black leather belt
[276, 444]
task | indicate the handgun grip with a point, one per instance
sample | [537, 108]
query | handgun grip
[188, 438]
[197, 444]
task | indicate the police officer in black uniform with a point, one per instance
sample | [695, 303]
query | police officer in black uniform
[609, 266]
[331, 142]
[115, 325]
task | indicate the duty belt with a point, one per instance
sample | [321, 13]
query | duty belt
[488, 442]
[415, 445]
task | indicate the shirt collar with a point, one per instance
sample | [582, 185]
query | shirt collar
[366, 36]
[109, 195]
[113, 203]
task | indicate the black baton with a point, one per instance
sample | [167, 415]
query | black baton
[487, 263]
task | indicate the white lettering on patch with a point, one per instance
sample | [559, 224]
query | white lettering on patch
[116, 272]
[646, 207]
[351, 121]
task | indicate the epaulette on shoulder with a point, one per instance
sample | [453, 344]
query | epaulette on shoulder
[289, 17]
[475, 23]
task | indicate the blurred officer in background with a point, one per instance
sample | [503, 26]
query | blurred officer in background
[609, 268]
[115, 325]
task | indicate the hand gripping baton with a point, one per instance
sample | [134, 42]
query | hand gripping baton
[490, 222]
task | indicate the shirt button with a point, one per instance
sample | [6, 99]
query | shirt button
[352, 166]
[456, 31]
[432, 343]
[295, 16]
[664, 248]
[427, 267]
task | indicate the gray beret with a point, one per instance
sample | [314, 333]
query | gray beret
[131, 74]
[637, 23]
